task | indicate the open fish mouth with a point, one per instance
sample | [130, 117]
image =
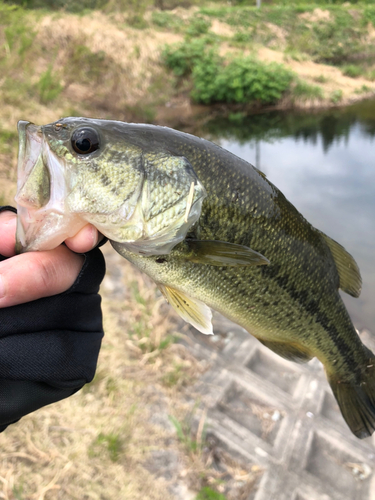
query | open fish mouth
[42, 222]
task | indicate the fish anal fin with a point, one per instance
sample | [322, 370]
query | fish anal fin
[347, 268]
[193, 311]
[223, 253]
[289, 351]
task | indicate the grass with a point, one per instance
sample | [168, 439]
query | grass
[112, 443]
[207, 493]
[167, 21]
[49, 86]
[305, 91]
[8, 140]
[184, 434]
[321, 79]
[352, 70]
[336, 96]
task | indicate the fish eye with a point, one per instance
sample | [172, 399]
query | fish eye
[85, 140]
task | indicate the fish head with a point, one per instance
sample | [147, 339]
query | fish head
[79, 170]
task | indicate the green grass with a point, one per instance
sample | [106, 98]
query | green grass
[184, 434]
[207, 493]
[112, 443]
[305, 91]
[175, 376]
[49, 86]
[334, 40]
[352, 70]
[18, 492]
[166, 20]
[8, 140]
[321, 79]
[363, 89]
[336, 96]
[198, 26]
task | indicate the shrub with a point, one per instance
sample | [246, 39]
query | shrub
[182, 57]
[243, 80]
[167, 20]
[198, 26]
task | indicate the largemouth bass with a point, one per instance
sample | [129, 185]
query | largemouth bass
[211, 230]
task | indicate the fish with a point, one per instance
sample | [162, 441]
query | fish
[211, 230]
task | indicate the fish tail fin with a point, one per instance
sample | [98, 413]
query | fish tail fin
[357, 400]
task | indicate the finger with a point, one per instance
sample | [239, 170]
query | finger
[8, 233]
[34, 275]
[86, 239]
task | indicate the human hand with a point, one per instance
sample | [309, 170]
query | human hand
[34, 275]
[51, 336]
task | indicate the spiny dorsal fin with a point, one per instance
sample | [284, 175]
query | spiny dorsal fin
[350, 276]
[192, 311]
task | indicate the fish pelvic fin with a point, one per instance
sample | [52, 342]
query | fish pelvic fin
[291, 352]
[193, 311]
[357, 401]
[347, 268]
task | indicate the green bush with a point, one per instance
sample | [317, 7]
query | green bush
[243, 80]
[198, 26]
[182, 57]
[167, 20]
[369, 15]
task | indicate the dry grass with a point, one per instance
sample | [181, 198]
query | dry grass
[94, 445]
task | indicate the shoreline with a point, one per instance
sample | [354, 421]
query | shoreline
[182, 112]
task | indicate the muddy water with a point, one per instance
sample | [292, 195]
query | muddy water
[325, 165]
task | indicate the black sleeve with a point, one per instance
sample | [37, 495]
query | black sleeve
[49, 347]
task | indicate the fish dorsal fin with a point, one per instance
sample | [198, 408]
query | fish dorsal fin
[192, 311]
[350, 276]
[223, 253]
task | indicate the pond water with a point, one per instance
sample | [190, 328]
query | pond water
[324, 163]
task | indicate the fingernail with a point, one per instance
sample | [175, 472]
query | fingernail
[94, 236]
[2, 288]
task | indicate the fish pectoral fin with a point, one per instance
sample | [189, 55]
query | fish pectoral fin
[291, 352]
[222, 253]
[349, 274]
[193, 311]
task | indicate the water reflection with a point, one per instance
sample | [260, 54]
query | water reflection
[325, 165]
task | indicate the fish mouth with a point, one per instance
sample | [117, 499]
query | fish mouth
[42, 222]
[29, 151]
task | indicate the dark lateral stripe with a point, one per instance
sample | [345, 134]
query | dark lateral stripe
[311, 306]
